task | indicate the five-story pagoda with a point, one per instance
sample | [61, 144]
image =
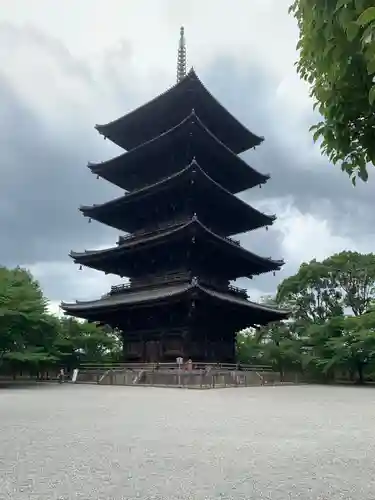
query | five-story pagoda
[180, 175]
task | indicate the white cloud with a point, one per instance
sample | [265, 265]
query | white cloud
[54, 308]
[74, 284]
[305, 237]
[136, 42]
[213, 27]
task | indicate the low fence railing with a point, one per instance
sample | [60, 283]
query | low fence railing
[175, 366]
[198, 379]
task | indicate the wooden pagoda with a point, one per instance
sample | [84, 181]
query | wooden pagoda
[180, 175]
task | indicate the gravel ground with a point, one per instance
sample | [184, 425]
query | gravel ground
[110, 443]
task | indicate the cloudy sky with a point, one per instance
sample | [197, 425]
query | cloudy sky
[65, 66]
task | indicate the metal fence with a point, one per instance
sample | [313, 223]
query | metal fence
[174, 366]
[201, 375]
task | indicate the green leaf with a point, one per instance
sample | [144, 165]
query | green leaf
[371, 67]
[345, 17]
[317, 126]
[354, 180]
[340, 4]
[366, 38]
[363, 174]
[336, 53]
[359, 5]
[317, 135]
[346, 167]
[368, 16]
[371, 95]
[352, 30]
[369, 52]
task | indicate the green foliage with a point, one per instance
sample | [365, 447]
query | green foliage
[337, 58]
[31, 337]
[331, 333]
[22, 308]
[311, 293]
[353, 276]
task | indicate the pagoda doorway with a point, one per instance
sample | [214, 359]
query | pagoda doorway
[152, 351]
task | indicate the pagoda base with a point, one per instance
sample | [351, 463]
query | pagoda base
[166, 346]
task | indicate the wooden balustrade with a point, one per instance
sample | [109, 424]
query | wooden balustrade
[159, 229]
[151, 280]
[175, 277]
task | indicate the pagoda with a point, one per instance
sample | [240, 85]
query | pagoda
[180, 175]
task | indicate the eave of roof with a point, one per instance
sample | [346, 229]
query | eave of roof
[135, 155]
[156, 294]
[240, 301]
[128, 297]
[92, 255]
[94, 211]
[244, 138]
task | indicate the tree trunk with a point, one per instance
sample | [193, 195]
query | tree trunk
[360, 367]
[281, 370]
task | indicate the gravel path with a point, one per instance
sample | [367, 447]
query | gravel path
[110, 443]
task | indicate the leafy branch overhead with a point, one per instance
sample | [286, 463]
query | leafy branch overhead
[337, 58]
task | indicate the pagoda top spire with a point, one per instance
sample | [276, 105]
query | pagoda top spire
[181, 56]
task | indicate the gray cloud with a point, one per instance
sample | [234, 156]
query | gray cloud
[44, 179]
[42, 183]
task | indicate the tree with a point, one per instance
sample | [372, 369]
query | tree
[321, 293]
[96, 343]
[320, 358]
[311, 293]
[321, 290]
[86, 342]
[354, 349]
[22, 315]
[32, 338]
[248, 348]
[353, 275]
[274, 344]
[280, 348]
[337, 58]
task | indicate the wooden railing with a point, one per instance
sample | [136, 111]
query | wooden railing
[208, 376]
[149, 281]
[171, 278]
[173, 366]
[224, 287]
[158, 229]
[242, 292]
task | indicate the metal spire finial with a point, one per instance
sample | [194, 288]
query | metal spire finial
[181, 56]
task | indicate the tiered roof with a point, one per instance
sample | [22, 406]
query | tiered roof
[180, 174]
[231, 258]
[177, 147]
[171, 108]
[98, 309]
[186, 190]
